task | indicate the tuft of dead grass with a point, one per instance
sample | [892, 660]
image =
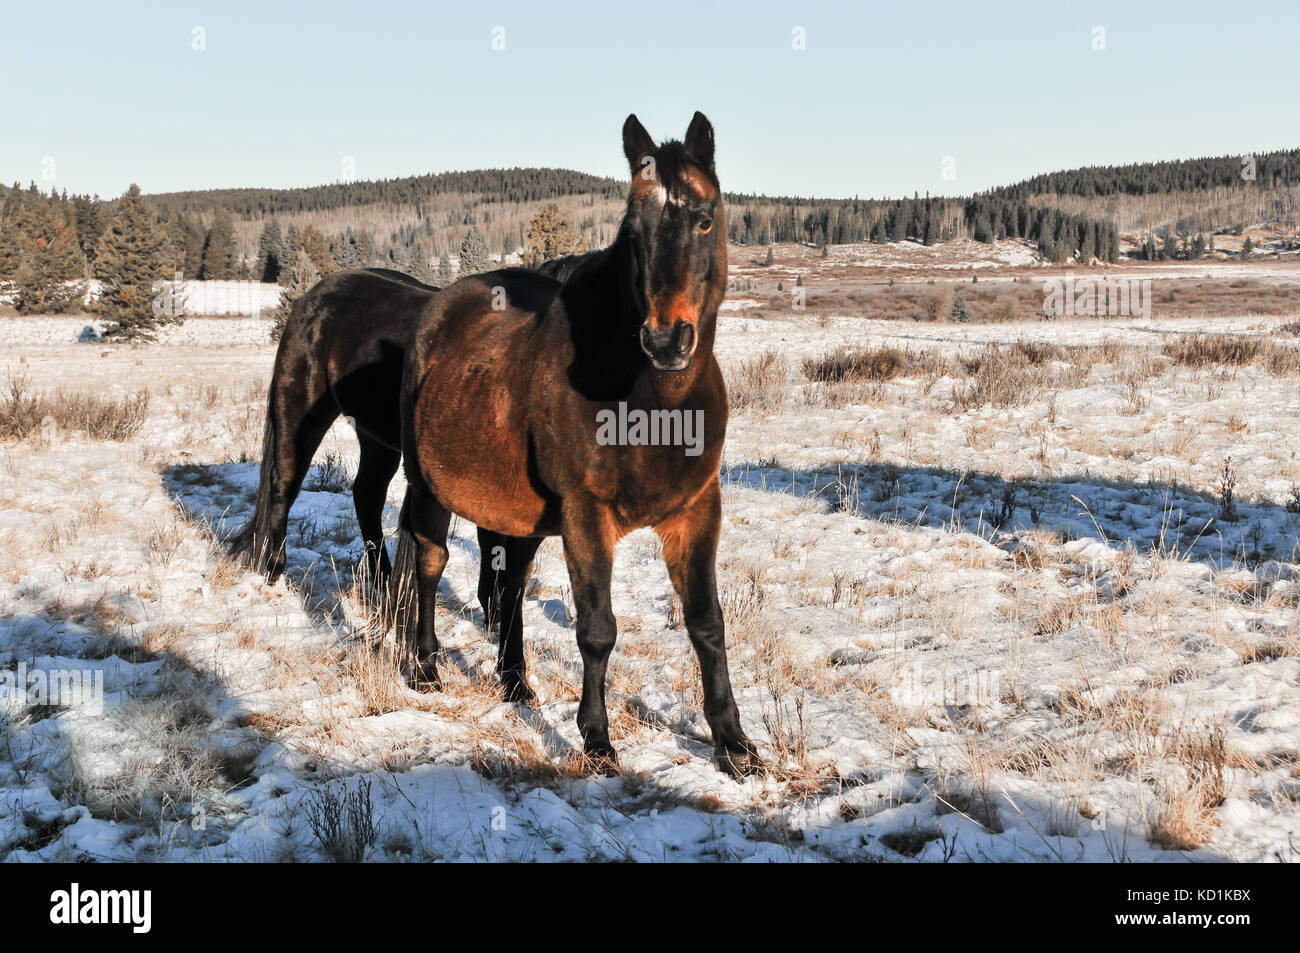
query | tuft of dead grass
[25, 412]
[760, 384]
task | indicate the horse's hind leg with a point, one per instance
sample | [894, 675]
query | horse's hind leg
[369, 491]
[503, 573]
[302, 437]
[425, 521]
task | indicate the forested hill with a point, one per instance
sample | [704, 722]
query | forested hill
[489, 185]
[1176, 200]
[1266, 170]
[427, 215]
[410, 223]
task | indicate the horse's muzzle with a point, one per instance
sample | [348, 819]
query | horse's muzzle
[669, 350]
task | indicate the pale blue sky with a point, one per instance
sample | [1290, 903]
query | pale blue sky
[283, 92]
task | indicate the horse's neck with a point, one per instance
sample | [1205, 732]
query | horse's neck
[606, 317]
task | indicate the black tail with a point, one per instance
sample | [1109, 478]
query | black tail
[254, 544]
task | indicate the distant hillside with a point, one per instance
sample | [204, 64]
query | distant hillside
[426, 216]
[502, 186]
[1271, 170]
[1184, 197]
[1173, 207]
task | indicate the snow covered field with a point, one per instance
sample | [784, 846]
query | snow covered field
[1021, 628]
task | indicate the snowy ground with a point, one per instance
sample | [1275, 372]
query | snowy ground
[958, 632]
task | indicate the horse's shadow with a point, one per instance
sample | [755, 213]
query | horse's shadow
[1168, 517]
[1116, 513]
[324, 552]
[323, 544]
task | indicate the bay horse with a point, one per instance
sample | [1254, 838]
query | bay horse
[507, 376]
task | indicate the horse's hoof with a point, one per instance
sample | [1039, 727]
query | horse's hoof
[517, 691]
[600, 761]
[739, 760]
[424, 678]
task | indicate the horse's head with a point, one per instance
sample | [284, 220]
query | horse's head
[677, 227]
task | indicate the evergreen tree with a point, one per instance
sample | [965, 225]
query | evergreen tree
[1088, 246]
[960, 312]
[269, 249]
[444, 275]
[474, 256]
[367, 252]
[52, 273]
[298, 279]
[175, 230]
[192, 239]
[91, 218]
[129, 261]
[550, 235]
[11, 252]
[420, 269]
[317, 247]
[220, 254]
[398, 261]
[290, 251]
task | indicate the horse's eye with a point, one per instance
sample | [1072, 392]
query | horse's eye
[705, 224]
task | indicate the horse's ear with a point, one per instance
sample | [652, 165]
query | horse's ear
[699, 139]
[637, 143]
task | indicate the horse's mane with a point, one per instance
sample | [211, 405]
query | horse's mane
[400, 276]
[562, 268]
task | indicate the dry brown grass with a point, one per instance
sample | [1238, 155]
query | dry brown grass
[1017, 375]
[1022, 300]
[851, 364]
[760, 384]
[25, 412]
[1234, 350]
[1186, 815]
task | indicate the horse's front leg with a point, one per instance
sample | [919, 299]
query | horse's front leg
[690, 545]
[590, 534]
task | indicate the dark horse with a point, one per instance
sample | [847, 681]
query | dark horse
[341, 354]
[508, 377]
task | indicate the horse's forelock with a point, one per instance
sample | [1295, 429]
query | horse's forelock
[674, 164]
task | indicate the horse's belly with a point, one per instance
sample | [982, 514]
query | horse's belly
[474, 456]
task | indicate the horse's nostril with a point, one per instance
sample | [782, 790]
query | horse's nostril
[686, 339]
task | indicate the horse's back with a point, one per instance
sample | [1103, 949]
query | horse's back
[345, 342]
[483, 317]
